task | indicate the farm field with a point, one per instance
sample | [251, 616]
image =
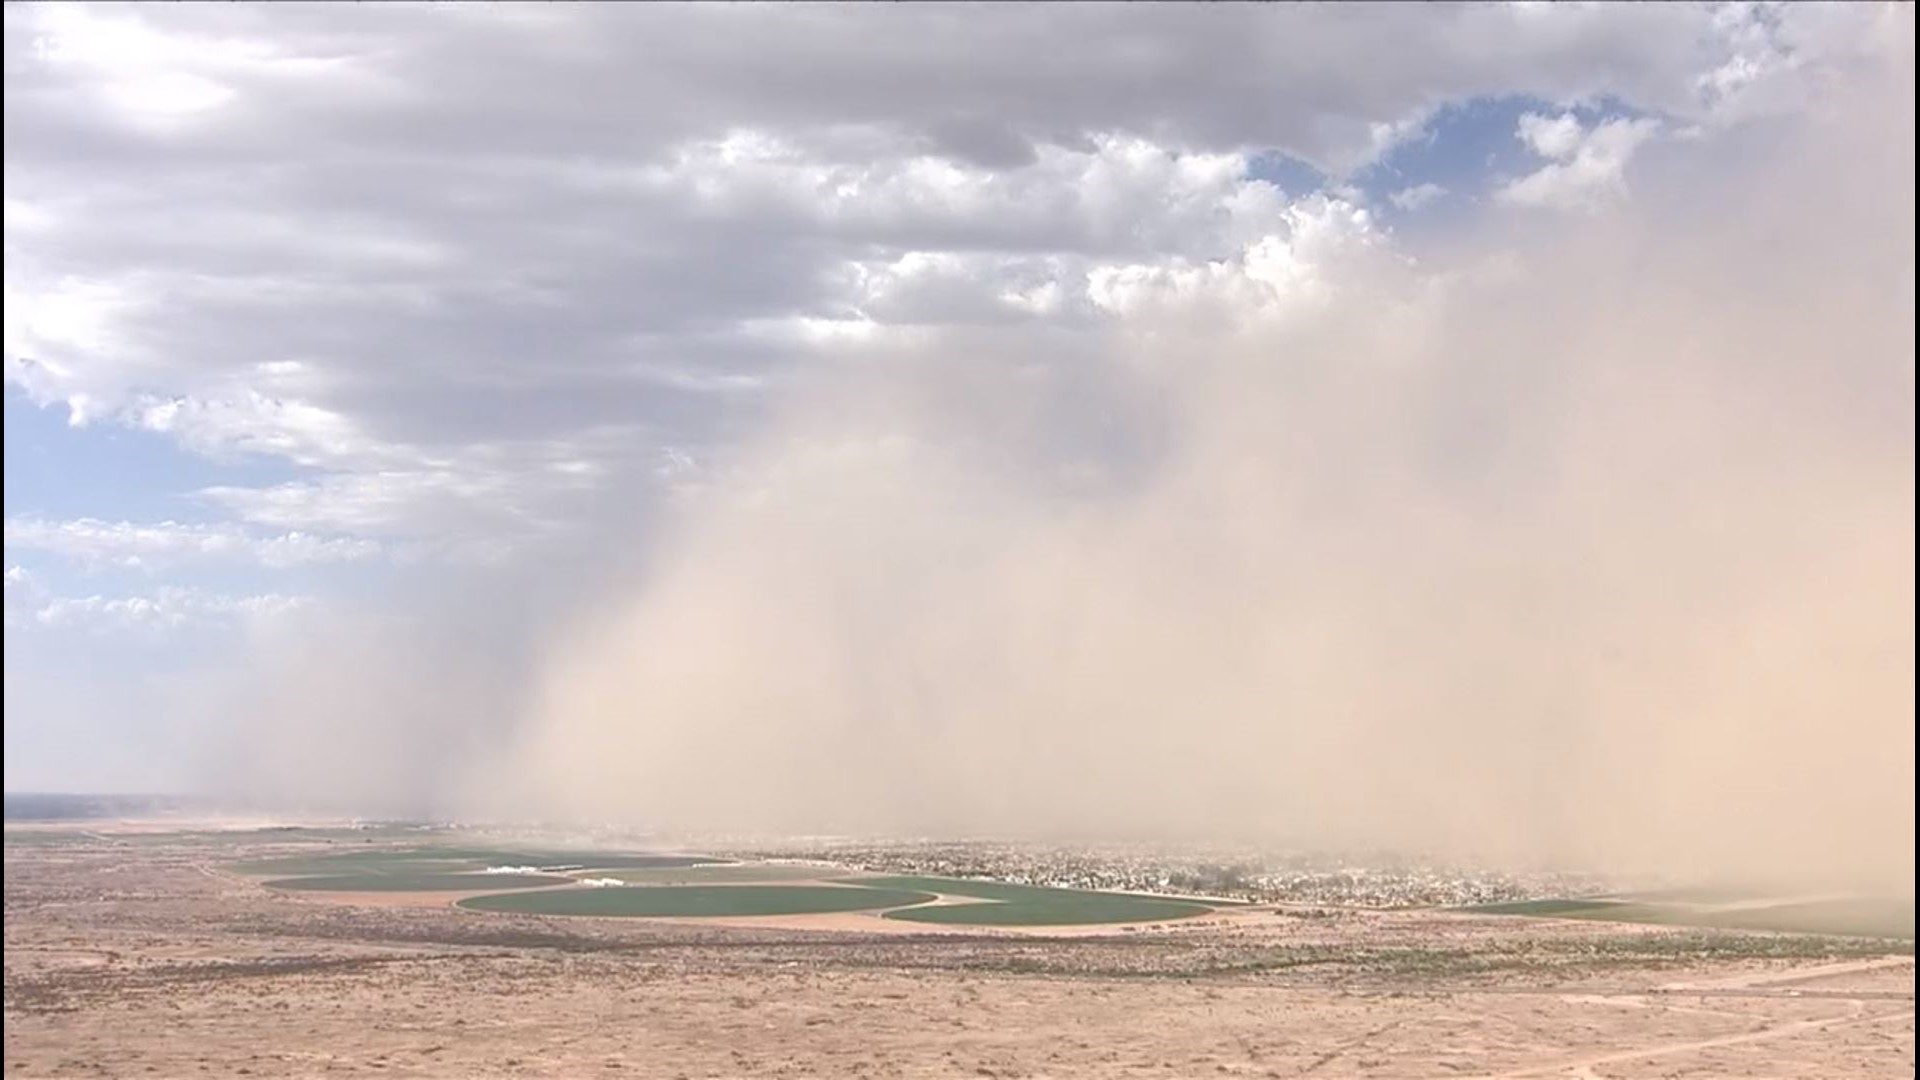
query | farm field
[698, 901]
[749, 873]
[1005, 904]
[400, 881]
[1856, 916]
[412, 859]
[632, 885]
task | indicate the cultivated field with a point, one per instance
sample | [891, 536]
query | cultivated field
[699, 901]
[999, 904]
[418, 882]
[627, 885]
[1856, 916]
[150, 954]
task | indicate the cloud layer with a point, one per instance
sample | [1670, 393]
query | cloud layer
[471, 306]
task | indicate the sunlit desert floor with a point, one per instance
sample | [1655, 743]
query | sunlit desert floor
[152, 959]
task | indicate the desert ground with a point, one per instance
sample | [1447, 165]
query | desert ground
[134, 955]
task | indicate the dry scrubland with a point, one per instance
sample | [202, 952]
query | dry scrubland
[152, 958]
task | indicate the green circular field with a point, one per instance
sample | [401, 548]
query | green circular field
[598, 860]
[741, 873]
[335, 865]
[697, 901]
[1077, 912]
[1030, 905]
[454, 859]
[402, 882]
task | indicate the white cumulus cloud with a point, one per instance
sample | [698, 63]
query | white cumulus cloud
[1586, 166]
[165, 609]
[1416, 196]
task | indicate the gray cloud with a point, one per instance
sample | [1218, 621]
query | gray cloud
[432, 242]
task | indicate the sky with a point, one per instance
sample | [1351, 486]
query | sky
[379, 377]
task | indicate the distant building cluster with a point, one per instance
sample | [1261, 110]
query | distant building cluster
[1368, 881]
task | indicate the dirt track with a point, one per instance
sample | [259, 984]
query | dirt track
[143, 961]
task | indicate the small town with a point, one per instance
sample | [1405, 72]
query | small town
[1364, 881]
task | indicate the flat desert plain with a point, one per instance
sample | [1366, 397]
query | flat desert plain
[149, 956]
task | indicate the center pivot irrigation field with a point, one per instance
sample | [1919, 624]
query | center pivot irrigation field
[449, 869]
[419, 882]
[699, 901]
[1002, 904]
[627, 885]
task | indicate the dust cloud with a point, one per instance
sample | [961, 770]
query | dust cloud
[1584, 538]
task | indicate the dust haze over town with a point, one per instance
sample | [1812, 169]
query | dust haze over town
[1591, 544]
[1577, 534]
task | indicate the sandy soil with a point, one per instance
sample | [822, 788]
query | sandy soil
[146, 960]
